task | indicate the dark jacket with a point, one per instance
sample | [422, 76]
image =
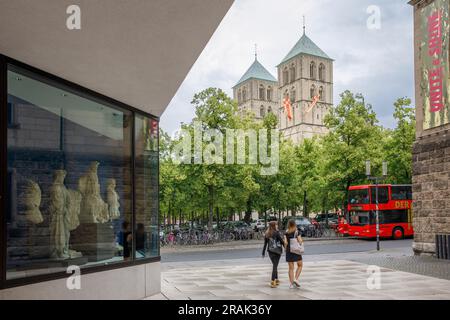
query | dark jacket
[277, 236]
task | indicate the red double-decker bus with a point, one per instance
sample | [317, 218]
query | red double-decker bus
[394, 207]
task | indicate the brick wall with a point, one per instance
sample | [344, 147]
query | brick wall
[431, 190]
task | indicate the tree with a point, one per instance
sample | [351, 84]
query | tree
[214, 110]
[353, 138]
[315, 174]
[398, 146]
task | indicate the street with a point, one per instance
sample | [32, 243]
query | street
[312, 248]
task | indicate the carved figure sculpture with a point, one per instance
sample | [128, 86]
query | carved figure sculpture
[64, 212]
[113, 200]
[74, 206]
[32, 197]
[93, 208]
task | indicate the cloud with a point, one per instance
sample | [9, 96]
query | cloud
[376, 63]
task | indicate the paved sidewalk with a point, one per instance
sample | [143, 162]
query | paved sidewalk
[424, 265]
[334, 279]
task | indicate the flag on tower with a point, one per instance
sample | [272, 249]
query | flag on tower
[288, 107]
[314, 102]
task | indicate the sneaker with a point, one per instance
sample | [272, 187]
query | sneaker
[273, 284]
[291, 286]
[297, 284]
[277, 281]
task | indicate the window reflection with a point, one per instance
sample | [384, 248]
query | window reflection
[146, 191]
[70, 180]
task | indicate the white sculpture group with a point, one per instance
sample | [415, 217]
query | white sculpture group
[67, 208]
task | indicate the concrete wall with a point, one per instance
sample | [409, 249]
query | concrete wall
[135, 282]
[135, 51]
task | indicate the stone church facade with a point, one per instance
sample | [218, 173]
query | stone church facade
[305, 77]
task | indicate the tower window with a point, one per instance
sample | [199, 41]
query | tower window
[262, 112]
[321, 94]
[312, 70]
[269, 94]
[293, 73]
[262, 93]
[285, 76]
[322, 72]
[269, 109]
[312, 92]
[293, 98]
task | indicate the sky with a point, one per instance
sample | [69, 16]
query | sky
[375, 62]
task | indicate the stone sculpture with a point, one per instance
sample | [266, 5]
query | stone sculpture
[93, 208]
[113, 200]
[64, 209]
[32, 198]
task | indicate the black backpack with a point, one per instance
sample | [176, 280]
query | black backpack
[274, 245]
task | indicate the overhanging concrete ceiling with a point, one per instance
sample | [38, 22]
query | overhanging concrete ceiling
[135, 51]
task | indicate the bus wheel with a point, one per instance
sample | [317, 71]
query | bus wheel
[397, 233]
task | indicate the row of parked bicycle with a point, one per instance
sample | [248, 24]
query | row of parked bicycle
[193, 234]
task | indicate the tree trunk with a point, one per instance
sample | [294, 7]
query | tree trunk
[169, 212]
[279, 219]
[211, 207]
[305, 205]
[218, 217]
[265, 219]
[248, 211]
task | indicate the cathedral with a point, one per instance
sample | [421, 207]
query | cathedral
[300, 97]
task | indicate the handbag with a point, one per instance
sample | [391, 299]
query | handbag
[295, 246]
[274, 246]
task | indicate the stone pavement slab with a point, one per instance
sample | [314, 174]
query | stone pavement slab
[334, 279]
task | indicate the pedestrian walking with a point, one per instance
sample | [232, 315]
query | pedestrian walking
[273, 243]
[294, 249]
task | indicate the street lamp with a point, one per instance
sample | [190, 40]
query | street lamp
[377, 181]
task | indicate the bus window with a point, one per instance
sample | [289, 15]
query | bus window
[359, 218]
[358, 196]
[393, 216]
[401, 193]
[383, 194]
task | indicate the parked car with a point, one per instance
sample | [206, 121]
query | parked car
[303, 224]
[237, 226]
[333, 219]
[258, 224]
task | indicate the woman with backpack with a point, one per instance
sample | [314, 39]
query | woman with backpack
[273, 243]
[294, 249]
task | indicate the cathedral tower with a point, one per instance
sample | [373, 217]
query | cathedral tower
[257, 91]
[306, 78]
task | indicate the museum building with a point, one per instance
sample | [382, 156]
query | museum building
[431, 150]
[79, 119]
